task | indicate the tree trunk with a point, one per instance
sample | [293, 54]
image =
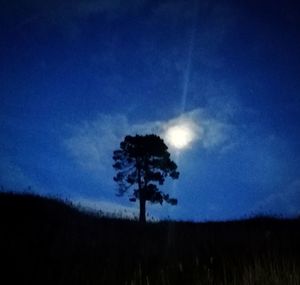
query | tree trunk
[142, 210]
[141, 196]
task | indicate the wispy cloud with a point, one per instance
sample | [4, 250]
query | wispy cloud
[284, 202]
[91, 143]
[107, 207]
[12, 177]
[115, 8]
[208, 132]
[68, 15]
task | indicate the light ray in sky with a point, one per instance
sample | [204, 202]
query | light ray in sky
[187, 72]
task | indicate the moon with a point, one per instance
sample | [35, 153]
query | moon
[179, 136]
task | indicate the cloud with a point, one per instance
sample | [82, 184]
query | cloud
[221, 19]
[208, 132]
[107, 207]
[66, 16]
[285, 202]
[91, 143]
[174, 11]
[12, 176]
[115, 8]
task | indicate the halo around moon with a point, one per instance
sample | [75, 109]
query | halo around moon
[179, 136]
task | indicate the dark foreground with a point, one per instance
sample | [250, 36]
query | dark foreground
[45, 241]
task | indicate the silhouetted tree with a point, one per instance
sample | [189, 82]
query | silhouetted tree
[144, 161]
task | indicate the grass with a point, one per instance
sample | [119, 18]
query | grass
[47, 241]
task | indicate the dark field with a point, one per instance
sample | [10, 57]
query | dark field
[46, 241]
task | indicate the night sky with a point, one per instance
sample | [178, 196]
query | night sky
[77, 76]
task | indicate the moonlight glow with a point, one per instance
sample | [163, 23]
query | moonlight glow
[179, 136]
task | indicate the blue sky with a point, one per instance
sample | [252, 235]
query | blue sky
[77, 76]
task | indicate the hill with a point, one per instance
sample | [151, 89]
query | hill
[48, 241]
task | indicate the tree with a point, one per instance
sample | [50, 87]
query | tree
[144, 162]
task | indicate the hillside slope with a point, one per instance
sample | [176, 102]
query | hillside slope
[46, 241]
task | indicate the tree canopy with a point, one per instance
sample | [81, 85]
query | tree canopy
[144, 162]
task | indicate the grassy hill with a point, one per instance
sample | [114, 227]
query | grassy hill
[47, 241]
